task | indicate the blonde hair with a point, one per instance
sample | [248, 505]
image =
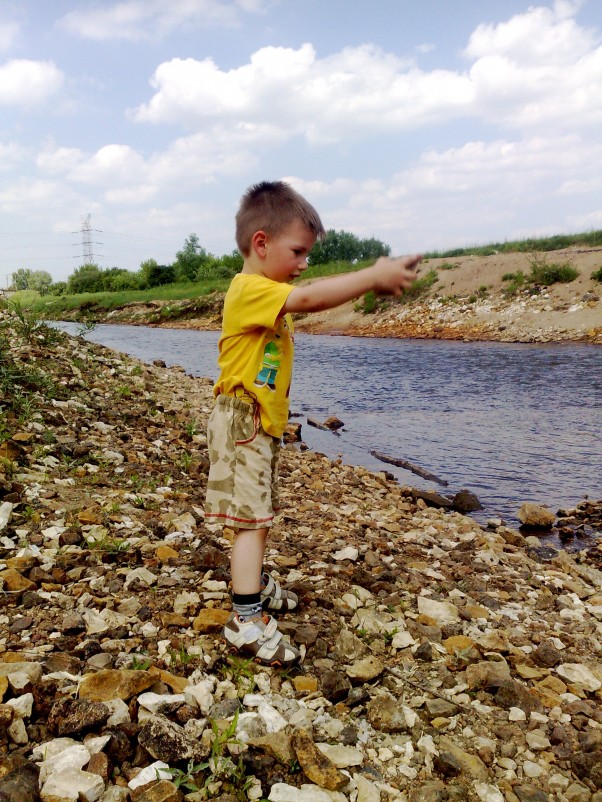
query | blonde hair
[272, 206]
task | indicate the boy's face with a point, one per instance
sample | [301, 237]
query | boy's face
[285, 256]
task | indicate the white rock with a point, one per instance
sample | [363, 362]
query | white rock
[342, 756]
[401, 640]
[441, 612]
[516, 714]
[537, 740]
[348, 553]
[281, 792]
[120, 712]
[186, 602]
[156, 702]
[200, 696]
[488, 793]
[156, 771]
[23, 705]
[579, 674]
[272, 719]
[74, 757]
[6, 510]
[142, 575]
[17, 731]
[531, 769]
[366, 791]
[96, 743]
[73, 786]
[51, 749]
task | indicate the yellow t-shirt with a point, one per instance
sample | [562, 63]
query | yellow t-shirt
[256, 347]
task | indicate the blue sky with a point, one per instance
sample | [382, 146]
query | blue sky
[427, 125]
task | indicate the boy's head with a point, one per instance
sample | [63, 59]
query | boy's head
[272, 207]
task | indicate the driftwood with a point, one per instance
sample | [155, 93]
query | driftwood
[402, 463]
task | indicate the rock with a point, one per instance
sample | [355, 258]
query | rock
[535, 515]
[441, 612]
[21, 784]
[547, 655]
[316, 766]
[466, 501]
[72, 785]
[470, 764]
[578, 674]
[334, 685]
[365, 670]
[210, 620]
[114, 684]
[161, 791]
[168, 742]
[71, 716]
[588, 766]
[282, 792]
[333, 423]
[341, 756]
[386, 714]
[14, 582]
[530, 793]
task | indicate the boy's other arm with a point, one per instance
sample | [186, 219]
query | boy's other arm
[386, 277]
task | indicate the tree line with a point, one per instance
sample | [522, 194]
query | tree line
[192, 263]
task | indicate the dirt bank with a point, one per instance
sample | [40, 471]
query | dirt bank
[468, 301]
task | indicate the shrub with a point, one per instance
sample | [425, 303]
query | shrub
[546, 273]
[421, 286]
[597, 274]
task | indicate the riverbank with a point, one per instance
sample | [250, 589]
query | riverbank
[469, 300]
[443, 660]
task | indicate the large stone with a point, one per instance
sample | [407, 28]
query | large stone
[21, 784]
[316, 766]
[72, 785]
[161, 791]
[70, 716]
[387, 714]
[441, 612]
[14, 582]
[166, 741]
[365, 670]
[210, 620]
[281, 792]
[470, 764]
[578, 674]
[114, 684]
[535, 515]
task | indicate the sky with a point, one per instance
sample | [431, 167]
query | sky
[429, 125]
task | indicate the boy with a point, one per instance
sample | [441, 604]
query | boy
[276, 229]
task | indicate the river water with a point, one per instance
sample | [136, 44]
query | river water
[511, 422]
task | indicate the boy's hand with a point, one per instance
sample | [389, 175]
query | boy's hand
[392, 276]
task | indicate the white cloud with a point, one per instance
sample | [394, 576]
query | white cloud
[538, 69]
[464, 195]
[24, 82]
[149, 19]
[11, 154]
[9, 32]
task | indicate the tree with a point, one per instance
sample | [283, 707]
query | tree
[342, 246]
[190, 259]
[20, 278]
[154, 275]
[86, 278]
[26, 279]
[41, 281]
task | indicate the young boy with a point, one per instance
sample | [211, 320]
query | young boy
[276, 229]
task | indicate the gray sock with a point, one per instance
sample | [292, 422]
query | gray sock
[247, 606]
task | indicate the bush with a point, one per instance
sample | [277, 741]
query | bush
[421, 286]
[597, 274]
[546, 273]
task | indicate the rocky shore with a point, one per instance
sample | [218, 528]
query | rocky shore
[443, 660]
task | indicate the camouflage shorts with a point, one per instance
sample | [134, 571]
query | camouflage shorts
[242, 489]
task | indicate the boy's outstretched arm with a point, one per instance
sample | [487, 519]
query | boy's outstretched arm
[386, 277]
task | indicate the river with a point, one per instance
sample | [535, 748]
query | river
[511, 422]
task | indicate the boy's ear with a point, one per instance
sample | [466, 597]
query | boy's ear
[258, 243]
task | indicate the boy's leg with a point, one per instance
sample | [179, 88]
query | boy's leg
[245, 567]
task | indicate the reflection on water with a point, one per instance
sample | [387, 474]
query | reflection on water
[511, 422]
